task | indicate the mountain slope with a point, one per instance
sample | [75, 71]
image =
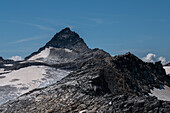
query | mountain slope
[96, 86]
[68, 39]
[64, 47]
[98, 82]
[48, 65]
[43, 68]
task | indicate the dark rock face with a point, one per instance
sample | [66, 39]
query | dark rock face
[137, 76]
[65, 39]
[68, 39]
[95, 86]
[99, 83]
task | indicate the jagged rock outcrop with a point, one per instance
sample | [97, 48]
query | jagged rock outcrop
[138, 76]
[99, 83]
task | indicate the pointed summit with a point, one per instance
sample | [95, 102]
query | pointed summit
[66, 30]
[67, 39]
[63, 40]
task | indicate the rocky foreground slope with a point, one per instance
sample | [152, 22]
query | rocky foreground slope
[44, 67]
[98, 82]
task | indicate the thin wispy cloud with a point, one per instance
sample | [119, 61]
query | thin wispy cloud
[42, 27]
[34, 25]
[96, 20]
[72, 23]
[56, 22]
[28, 39]
[18, 50]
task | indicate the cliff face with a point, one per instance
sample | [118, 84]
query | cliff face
[98, 83]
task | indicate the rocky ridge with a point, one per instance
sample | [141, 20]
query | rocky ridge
[99, 83]
[168, 64]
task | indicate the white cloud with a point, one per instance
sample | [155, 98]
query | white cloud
[42, 27]
[150, 57]
[162, 59]
[58, 22]
[16, 58]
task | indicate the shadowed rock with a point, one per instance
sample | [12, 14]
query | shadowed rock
[99, 83]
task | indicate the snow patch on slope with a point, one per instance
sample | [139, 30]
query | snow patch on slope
[161, 94]
[8, 64]
[2, 70]
[43, 54]
[68, 50]
[167, 69]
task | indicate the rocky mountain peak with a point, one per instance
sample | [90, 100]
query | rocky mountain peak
[66, 30]
[67, 39]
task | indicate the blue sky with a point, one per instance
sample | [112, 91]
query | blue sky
[117, 26]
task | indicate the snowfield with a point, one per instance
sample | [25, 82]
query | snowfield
[161, 94]
[21, 81]
[23, 76]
